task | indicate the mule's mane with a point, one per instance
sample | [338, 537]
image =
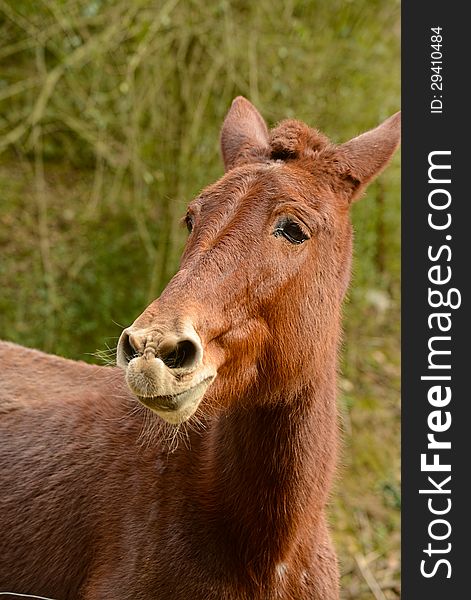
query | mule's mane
[293, 139]
[289, 140]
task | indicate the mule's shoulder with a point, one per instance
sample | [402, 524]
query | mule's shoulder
[30, 376]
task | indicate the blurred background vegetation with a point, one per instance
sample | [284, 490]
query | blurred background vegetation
[109, 120]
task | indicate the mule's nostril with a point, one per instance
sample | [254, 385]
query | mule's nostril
[182, 356]
[128, 349]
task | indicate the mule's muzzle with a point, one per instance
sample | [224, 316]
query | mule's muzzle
[183, 353]
[165, 370]
[176, 406]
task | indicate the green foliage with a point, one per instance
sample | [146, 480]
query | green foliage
[109, 120]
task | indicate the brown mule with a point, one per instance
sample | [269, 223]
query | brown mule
[236, 361]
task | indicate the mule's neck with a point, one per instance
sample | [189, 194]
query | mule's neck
[268, 467]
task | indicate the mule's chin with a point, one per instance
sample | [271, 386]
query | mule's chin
[177, 408]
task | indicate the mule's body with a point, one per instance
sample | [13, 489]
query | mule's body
[89, 509]
[237, 360]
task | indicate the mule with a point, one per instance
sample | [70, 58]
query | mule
[200, 467]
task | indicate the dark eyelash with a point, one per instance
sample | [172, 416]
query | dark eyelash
[188, 222]
[292, 231]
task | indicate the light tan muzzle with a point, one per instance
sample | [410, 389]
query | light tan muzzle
[165, 370]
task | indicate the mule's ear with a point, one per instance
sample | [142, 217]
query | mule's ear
[244, 134]
[364, 157]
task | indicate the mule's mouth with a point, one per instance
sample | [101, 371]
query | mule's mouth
[165, 369]
[179, 407]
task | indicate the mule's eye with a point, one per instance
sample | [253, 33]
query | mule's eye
[292, 231]
[189, 223]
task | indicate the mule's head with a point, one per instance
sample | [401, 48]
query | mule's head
[257, 298]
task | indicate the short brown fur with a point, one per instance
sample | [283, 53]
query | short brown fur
[89, 510]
